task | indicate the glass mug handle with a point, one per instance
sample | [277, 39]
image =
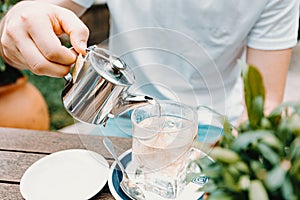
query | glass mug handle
[211, 126]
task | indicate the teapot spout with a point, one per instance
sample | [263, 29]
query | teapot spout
[128, 101]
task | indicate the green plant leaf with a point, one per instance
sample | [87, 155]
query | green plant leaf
[287, 190]
[263, 161]
[249, 137]
[268, 153]
[258, 168]
[295, 170]
[244, 182]
[233, 171]
[279, 109]
[294, 124]
[254, 94]
[219, 195]
[209, 187]
[230, 181]
[265, 123]
[295, 149]
[224, 155]
[275, 178]
[277, 113]
[214, 171]
[283, 131]
[257, 191]
[272, 141]
[257, 111]
[242, 167]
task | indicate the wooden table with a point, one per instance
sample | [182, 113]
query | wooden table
[20, 148]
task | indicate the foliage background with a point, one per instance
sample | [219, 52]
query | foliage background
[51, 89]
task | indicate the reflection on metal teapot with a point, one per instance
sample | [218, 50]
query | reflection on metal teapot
[97, 88]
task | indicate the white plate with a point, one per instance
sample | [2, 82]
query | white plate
[69, 174]
[115, 176]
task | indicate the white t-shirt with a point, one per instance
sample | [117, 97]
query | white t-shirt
[188, 50]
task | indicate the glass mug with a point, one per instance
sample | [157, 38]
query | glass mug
[163, 134]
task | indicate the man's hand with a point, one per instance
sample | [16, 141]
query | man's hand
[29, 38]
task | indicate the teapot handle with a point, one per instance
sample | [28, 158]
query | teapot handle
[76, 69]
[68, 77]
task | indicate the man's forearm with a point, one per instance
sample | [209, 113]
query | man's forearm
[273, 66]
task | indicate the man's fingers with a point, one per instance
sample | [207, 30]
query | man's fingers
[30, 39]
[76, 30]
[39, 64]
[50, 45]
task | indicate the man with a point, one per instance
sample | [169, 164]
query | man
[185, 51]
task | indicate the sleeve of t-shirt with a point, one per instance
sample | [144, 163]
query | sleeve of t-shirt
[84, 3]
[277, 26]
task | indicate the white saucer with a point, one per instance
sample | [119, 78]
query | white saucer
[69, 174]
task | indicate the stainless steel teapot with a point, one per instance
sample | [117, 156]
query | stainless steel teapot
[97, 88]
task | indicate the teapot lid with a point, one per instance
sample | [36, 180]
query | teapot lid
[110, 67]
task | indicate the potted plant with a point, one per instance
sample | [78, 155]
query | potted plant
[21, 103]
[263, 161]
